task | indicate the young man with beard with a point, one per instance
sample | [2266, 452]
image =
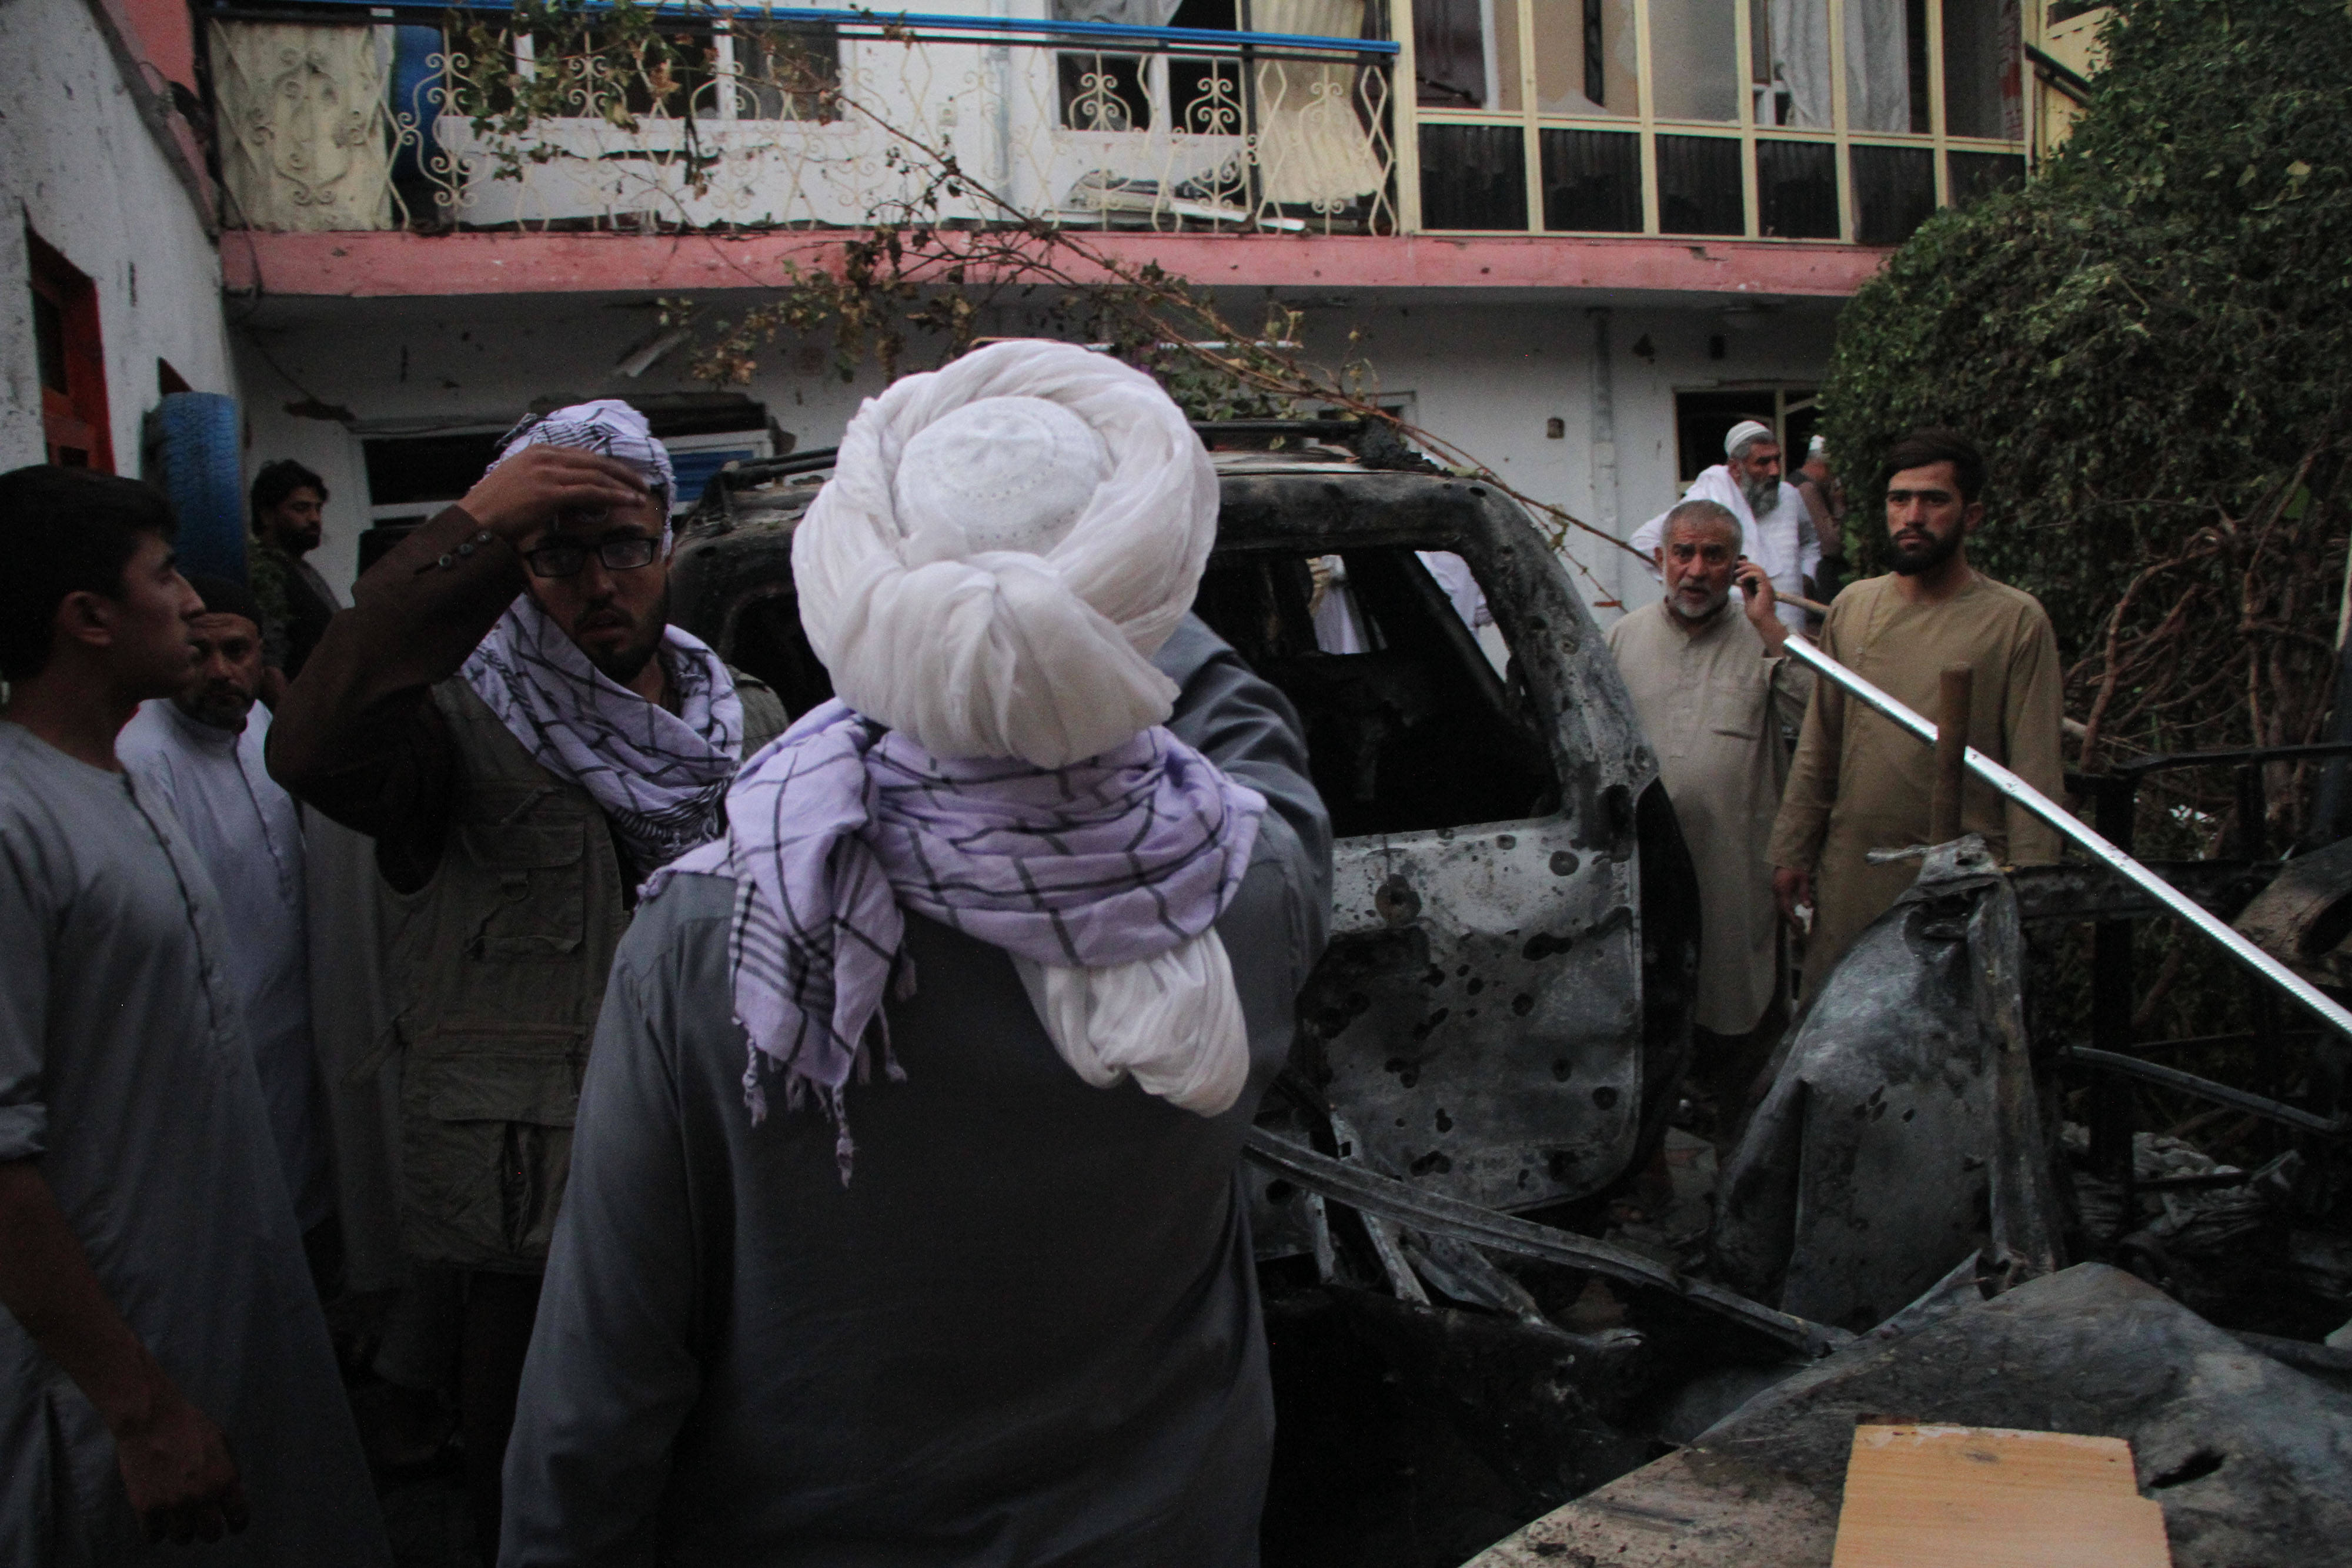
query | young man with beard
[165, 1367]
[1772, 514]
[289, 505]
[1713, 688]
[1859, 783]
[507, 711]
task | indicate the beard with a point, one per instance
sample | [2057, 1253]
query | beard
[624, 663]
[223, 707]
[1707, 611]
[1762, 493]
[1910, 557]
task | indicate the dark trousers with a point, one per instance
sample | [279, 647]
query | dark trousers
[494, 1335]
[1729, 1069]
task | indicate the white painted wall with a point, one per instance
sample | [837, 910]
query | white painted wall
[81, 168]
[1485, 376]
[409, 366]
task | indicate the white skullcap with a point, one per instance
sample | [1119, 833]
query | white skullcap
[973, 651]
[1745, 430]
[1817, 448]
[1002, 474]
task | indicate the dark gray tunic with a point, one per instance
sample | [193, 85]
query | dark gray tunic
[1027, 1332]
[124, 1071]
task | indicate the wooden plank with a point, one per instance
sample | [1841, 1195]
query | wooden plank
[1988, 1497]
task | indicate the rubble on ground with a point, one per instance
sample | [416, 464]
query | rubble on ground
[2247, 1456]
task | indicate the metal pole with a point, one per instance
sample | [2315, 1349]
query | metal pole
[2074, 830]
[1945, 811]
[2114, 807]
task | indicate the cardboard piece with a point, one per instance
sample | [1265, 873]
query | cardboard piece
[1988, 1497]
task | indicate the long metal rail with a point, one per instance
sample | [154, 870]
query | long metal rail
[1369, 1192]
[2079, 833]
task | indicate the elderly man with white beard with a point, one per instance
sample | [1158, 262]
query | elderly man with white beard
[1025, 910]
[1772, 514]
[1713, 690]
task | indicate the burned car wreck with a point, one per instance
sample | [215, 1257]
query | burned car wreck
[1466, 1336]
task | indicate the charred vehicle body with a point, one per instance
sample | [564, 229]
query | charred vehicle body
[1492, 1046]
[1503, 1014]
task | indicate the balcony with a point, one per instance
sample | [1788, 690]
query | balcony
[743, 118]
[1801, 120]
[1801, 128]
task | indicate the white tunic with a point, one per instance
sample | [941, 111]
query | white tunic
[1783, 544]
[124, 1071]
[248, 833]
[1712, 705]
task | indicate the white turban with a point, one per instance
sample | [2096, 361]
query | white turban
[1745, 430]
[1003, 545]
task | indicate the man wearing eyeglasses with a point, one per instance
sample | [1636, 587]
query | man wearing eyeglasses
[507, 711]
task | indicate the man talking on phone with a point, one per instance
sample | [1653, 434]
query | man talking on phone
[1714, 686]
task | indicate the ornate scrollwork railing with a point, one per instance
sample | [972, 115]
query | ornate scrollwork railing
[748, 118]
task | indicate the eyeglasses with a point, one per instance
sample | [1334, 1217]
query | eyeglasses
[565, 558]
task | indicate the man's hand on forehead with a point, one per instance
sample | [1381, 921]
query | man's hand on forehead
[539, 485]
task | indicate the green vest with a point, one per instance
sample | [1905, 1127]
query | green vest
[496, 967]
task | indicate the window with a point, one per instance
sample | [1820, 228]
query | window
[1592, 181]
[1694, 54]
[1204, 96]
[785, 71]
[1894, 193]
[1796, 186]
[1699, 186]
[1741, 120]
[1585, 59]
[1473, 177]
[75, 429]
[1982, 93]
[1974, 174]
[1105, 92]
[1449, 40]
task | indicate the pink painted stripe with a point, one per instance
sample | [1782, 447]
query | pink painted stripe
[359, 265]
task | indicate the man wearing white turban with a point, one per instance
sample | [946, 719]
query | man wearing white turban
[507, 712]
[1772, 514]
[1027, 909]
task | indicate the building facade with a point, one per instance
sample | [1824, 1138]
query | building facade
[1577, 238]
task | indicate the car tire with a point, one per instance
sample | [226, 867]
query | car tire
[194, 457]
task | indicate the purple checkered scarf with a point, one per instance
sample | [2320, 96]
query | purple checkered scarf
[1118, 860]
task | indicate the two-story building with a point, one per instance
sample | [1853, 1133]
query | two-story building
[1578, 238]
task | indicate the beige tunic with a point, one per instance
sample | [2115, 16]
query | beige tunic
[1713, 707]
[1861, 784]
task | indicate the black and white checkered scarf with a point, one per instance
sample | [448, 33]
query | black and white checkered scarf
[1108, 873]
[660, 778]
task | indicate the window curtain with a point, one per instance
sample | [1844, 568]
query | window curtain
[1119, 13]
[1313, 149]
[1877, 62]
[1801, 58]
[307, 143]
[1877, 66]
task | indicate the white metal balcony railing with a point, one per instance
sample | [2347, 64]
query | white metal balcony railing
[334, 119]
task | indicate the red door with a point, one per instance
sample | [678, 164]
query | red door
[74, 421]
